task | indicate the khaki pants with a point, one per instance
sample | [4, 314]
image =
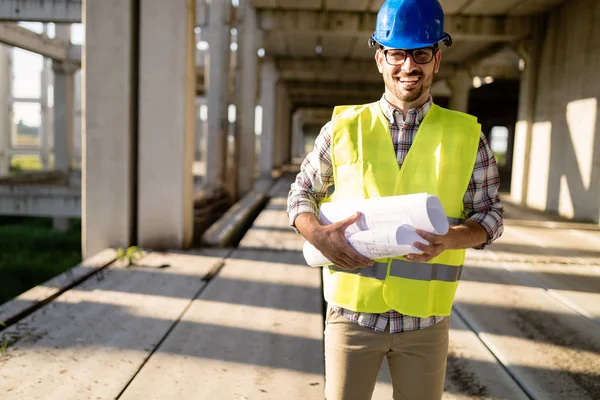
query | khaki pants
[353, 358]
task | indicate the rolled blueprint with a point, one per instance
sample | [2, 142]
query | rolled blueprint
[387, 227]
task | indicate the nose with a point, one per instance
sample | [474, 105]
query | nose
[409, 64]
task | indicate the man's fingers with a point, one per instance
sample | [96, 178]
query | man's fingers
[344, 262]
[349, 221]
[360, 260]
[430, 237]
[419, 257]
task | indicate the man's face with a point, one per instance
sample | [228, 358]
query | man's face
[408, 82]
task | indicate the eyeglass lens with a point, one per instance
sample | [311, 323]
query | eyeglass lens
[420, 56]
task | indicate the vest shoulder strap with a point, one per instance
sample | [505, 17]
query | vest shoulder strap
[455, 115]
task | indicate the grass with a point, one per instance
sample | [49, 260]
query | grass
[31, 253]
[26, 163]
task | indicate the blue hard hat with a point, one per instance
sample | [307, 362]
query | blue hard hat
[410, 24]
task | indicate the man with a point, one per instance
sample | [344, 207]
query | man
[398, 308]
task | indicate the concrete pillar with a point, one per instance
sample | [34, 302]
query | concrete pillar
[283, 127]
[530, 51]
[298, 135]
[5, 109]
[167, 91]
[64, 107]
[246, 97]
[217, 34]
[45, 129]
[460, 85]
[64, 117]
[268, 92]
[109, 124]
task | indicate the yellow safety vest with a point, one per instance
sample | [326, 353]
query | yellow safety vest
[440, 162]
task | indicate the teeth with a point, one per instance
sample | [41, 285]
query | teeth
[411, 79]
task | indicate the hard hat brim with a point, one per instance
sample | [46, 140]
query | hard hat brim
[406, 44]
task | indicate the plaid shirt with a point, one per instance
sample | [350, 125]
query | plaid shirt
[481, 201]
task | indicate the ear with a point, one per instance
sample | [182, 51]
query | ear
[438, 61]
[380, 59]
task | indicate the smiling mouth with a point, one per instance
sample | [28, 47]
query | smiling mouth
[408, 82]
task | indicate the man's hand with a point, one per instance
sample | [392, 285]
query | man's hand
[463, 236]
[331, 240]
[437, 244]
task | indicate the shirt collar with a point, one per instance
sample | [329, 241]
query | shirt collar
[395, 117]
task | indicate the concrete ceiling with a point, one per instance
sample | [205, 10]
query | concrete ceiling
[321, 45]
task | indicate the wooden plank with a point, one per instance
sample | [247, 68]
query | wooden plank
[554, 351]
[94, 338]
[19, 307]
[256, 332]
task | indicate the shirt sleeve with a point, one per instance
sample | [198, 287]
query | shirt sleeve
[315, 177]
[482, 199]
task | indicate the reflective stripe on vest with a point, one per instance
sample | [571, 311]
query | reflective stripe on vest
[408, 270]
[377, 271]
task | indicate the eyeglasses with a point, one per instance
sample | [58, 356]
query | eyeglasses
[419, 56]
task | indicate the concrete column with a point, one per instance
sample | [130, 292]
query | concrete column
[268, 91]
[64, 117]
[530, 51]
[5, 109]
[167, 93]
[298, 135]
[64, 107]
[460, 85]
[109, 124]
[283, 127]
[246, 97]
[218, 37]
[45, 129]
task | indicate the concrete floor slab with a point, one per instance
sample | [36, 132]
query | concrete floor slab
[255, 332]
[91, 340]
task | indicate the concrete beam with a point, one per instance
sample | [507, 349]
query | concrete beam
[333, 88]
[315, 116]
[365, 71]
[356, 24]
[330, 101]
[320, 69]
[58, 11]
[40, 201]
[56, 49]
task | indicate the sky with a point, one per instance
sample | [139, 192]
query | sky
[27, 67]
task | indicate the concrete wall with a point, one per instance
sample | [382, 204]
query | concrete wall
[564, 167]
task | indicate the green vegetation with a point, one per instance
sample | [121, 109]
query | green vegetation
[31, 253]
[129, 256]
[25, 163]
